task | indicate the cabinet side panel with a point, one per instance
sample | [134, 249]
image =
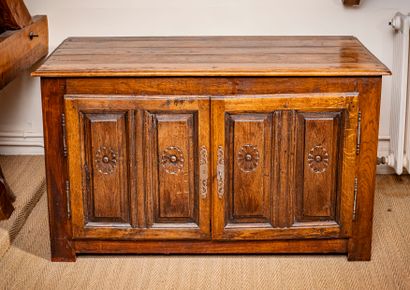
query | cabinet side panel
[319, 141]
[107, 158]
[52, 91]
[360, 243]
[249, 158]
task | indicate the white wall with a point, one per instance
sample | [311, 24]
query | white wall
[20, 113]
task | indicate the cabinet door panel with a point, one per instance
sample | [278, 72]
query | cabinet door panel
[249, 158]
[283, 171]
[319, 140]
[136, 166]
[107, 192]
[172, 139]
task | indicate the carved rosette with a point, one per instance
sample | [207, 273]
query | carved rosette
[248, 158]
[172, 160]
[318, 159]
[106, 160]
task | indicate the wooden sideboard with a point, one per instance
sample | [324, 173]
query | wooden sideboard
[211, 145]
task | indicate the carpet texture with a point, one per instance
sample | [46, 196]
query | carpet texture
[26, 178]
[27, 263]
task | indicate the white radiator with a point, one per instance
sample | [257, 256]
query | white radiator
[399, 154]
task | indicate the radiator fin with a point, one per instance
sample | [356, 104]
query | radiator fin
[400, 106]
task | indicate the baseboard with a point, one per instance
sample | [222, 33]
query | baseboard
[383, 151]
[21, 150]
[384, 169]
[21, 143]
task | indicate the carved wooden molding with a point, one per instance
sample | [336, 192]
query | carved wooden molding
[106, 160]
[203, 171]
[318, 159]
[220, 171]
[172, 160]
[248, 158]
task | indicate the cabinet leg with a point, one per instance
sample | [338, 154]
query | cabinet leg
[359, 251]
[56, 170]
[61, 251]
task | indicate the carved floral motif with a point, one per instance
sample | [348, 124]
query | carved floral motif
[318, 159]
[106, 160]
[248, 157]
[172, 160]
[203, 171]
[220, 171]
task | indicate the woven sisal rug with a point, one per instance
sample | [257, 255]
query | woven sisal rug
[27, 263]
[26, 178]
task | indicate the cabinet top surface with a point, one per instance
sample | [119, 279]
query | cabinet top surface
[211, 56]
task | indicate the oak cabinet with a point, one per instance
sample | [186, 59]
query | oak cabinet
[197, 145]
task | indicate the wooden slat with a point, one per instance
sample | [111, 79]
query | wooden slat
[212, 56]
[14, 15]
[19, 52]
[212, 247]
[214, 50]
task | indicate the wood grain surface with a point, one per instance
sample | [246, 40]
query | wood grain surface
[369, 102]
[19, 52]
[252, 208]
[351, 2]
[212, 247]
[276, 117]
[212, 56]
[52, 92]
[154, 139]
[14, 15]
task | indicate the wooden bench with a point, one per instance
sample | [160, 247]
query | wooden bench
[23, 42]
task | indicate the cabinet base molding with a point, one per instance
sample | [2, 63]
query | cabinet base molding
[323, 246]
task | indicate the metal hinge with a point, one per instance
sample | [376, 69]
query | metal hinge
[63, 126]
[355, 198]
[67, 191]
[359, 131]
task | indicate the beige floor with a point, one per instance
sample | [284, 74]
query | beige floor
[25, 175]
[26, 265]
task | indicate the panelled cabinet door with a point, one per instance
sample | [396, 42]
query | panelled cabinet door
[282, 171]
[139, 166]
